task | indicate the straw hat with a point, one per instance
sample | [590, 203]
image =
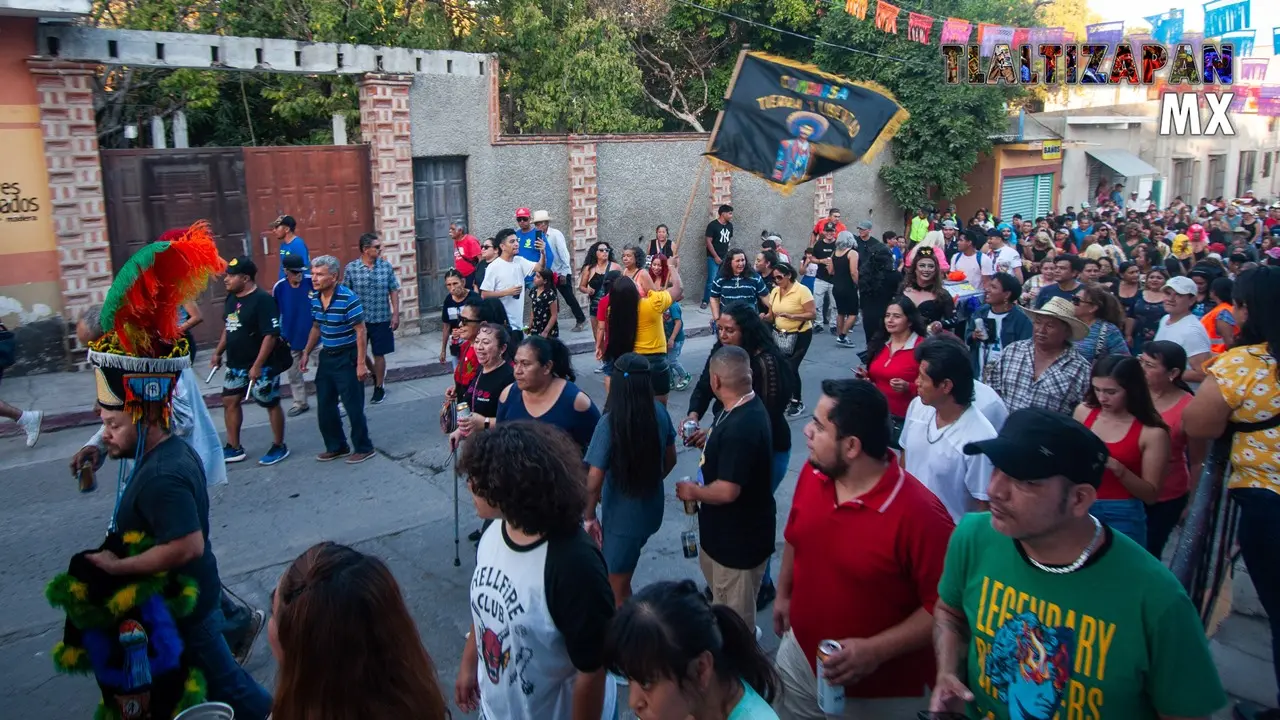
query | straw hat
[1062, 309]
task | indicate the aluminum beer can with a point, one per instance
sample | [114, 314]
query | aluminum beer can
[690, 427]
[689, 544]
[830, 697]
[464, 411]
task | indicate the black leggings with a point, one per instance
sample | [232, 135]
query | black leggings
[797, 356]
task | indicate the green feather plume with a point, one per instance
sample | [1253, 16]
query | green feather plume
[126, 276]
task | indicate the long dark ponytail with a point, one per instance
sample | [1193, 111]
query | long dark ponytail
[636, 453]
[624, 318]
[550, 351]
[665, 626]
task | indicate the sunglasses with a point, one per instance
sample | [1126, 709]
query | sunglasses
[779, 278]
[469, 321]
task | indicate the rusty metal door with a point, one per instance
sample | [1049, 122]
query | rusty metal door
[439, 198]
[150, 191]
[325, 188]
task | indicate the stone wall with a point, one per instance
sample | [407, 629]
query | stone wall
[618, 188]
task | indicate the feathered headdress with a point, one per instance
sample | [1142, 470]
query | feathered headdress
[138, 360]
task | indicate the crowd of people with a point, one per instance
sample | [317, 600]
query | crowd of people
[978, 528]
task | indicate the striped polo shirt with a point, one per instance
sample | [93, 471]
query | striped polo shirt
[338, 322]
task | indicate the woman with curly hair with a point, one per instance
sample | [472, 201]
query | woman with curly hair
[923, 286]
[540, 597]
[345, 642]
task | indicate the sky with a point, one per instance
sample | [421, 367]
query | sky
[1263, 15]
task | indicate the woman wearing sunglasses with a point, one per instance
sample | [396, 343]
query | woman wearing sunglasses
[792, 311]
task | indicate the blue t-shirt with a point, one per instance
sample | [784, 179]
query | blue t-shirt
[1079, 235]
[752, 706]
[528, 251]
[1052, 291]
[338, 321]
[294, 304]
[669, 319]
[622, 514]
[296, 246]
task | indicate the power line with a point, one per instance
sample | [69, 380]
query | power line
[810, 38]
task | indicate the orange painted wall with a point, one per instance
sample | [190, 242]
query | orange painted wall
[982, 185]
[30, 282]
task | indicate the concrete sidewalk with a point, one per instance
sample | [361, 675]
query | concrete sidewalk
[67, 398]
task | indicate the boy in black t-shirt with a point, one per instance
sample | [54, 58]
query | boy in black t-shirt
[250, 332]
[736, 514]
[719, 236]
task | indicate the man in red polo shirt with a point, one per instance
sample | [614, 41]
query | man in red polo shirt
[865, 545]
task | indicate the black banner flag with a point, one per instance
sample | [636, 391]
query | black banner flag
[789, 123]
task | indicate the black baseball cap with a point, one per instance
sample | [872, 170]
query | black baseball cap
[1036, 444]
[293, 262]
[287, 221]
[242, 265]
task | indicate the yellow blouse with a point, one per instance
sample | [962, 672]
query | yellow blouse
[793, 303]
[1247, 378]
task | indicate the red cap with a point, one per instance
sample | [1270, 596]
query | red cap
[523, 213]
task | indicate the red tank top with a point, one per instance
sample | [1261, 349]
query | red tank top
[1128, 451]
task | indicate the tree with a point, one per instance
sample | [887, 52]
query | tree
[950, 125]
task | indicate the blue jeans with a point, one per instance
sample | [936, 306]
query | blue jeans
[228, 682]
[1259, 538]
[336, 381]
[673, 360]
[1125, 516]
[781, 459]
[713, 269]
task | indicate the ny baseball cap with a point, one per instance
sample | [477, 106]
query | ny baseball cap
[1037, 444]
[523, 213]
[1181, 285]
[285, 220]
[243, 265]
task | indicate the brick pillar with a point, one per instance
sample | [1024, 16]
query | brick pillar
[384, 125]
[824, 195]
[75, 182]
[583, 221]
[721, 190]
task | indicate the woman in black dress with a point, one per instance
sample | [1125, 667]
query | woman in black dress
[599, 260]
[661, 244]
[844, 287]
[1148, 308]
[923, 285]
[483, 391]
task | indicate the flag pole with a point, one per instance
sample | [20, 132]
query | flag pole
[702, 167]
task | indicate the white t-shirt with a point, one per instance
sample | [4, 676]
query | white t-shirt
[974, 267]
[1187, 332]
[990, 404]
[504, 275]
[936, 456]
[1006, 260]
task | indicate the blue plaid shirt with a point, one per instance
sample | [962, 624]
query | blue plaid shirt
[374, 286]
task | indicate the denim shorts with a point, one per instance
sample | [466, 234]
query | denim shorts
[266, 391]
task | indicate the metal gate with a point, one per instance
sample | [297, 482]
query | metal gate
[439, 198]
[150, 191]
[239, 191]
[1030, 196]
[326, 188]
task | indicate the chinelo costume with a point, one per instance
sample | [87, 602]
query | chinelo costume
[126, 630]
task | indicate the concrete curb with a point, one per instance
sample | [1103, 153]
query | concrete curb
[86, 416]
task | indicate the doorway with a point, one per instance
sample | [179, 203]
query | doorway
[439, 198]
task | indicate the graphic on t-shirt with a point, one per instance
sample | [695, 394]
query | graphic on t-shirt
[496, 602]
[233, 320]
[1029, 666]
[1039, 659]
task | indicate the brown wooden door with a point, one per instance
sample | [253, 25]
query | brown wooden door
[150, 191]
[325, 188]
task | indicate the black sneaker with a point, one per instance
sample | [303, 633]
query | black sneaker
[765, 596]
[379, 394]
[474, 536]
[818, 329]
[794, 409]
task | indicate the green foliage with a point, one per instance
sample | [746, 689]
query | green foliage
[950, 125]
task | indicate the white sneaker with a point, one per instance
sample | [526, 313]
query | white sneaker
[758, 633]
[30, 422]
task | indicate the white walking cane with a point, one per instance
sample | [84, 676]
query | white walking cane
[453, 456]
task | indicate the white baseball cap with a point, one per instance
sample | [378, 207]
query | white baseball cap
[1181, 286]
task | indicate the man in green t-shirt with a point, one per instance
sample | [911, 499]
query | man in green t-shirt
[1042, 610]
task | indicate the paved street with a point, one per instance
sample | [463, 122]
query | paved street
[398, 506]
